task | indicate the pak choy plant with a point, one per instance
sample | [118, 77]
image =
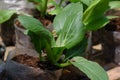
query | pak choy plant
[70, 25]
[43, 5]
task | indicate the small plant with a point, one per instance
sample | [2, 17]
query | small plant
[42, 6]
[70, 26]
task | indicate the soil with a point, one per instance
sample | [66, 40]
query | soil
[73, 73]
[34, 62]
[44, 21]
[69, 75]
[27, 60]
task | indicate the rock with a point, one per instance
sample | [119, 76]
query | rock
[116, 36]
[2, 49]
[2, 70]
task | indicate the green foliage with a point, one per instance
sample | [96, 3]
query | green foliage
[6, 15]
[68, 24]
[37, 32]
[91, 69]
[78, 50]
[35, 26]
[95, 14]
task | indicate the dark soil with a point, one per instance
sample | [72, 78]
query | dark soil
[34, 62]
[27, 60]
[44, 21]
[70, 75]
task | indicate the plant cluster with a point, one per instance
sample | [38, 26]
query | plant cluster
[70, 26]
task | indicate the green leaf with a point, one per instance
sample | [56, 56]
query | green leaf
[114, 4]
[75, 1]
[68, 25]
[40, 36]
[50, 53]
[37, 41]
[78, 50]
[57, 51]
[91, 69]
[97, 23]
[93, 17]
[35, 26]
[61, 18]
[6, 15]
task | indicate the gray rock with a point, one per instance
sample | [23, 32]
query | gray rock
[116, 36]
